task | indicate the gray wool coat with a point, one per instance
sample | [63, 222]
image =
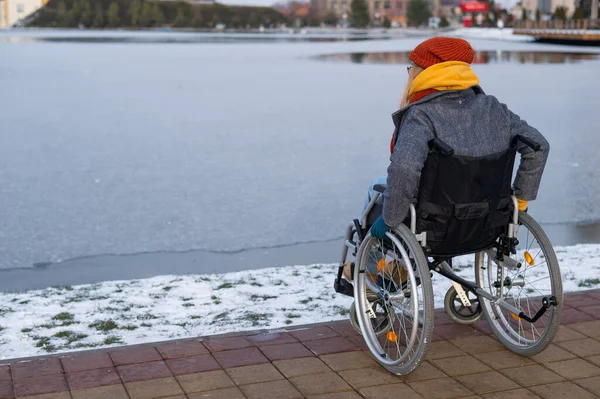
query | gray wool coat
[473, 124]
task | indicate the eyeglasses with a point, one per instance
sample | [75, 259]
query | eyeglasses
[408, 68]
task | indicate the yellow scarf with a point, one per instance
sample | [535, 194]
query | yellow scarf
[450, 75]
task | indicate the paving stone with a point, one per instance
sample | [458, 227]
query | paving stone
[591, 384]
[368, 377]
[589, 328]
[344, 328]
[478, 344]
[582, 347]
[503, 359]
[286, 351]
[392, 391]
[311, 334]
[271, 390]
[348, 360]
[336, 395]
[153, 388]
[562, 390]
[93, 378]
[483, 327]
[38, 385]
[455, 331]
[521, 393]
[593, 311]
[442, 349]
[86, 361]
[240, 357]
[565, 333]
[303, 366]
[318, 384]
[181, 349]
[228, 393]
[443, 388]
[106, 392]
[272, 339]
[579, 301]
[441, 318]
[5, 373]
[425, 371]
[60, 395]
[31, 368]
[460, 365]
[135, 354]
[573, 369]
[491, 381]
[359, 342]
[143, 371]
[207, 381]
[224, 344]
[331, 345]
[573, 316]
[193, 364]
[552, 353]
[593, 359]
[254, 374]
[6, 389]
[532, 375]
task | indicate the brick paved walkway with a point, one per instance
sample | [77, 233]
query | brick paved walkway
[325, 361]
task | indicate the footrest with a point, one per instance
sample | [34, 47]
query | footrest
[343, 286]
[547, 302]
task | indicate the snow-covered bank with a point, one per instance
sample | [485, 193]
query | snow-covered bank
[167, 307]
[489, 33]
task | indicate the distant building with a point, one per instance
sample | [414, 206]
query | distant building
[394, 10]
[295, 9]
[547, 7]
[568, 4]
[13, 11]
[531, 6]
[449, 8]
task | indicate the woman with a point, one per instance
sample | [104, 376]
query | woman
[442, 99]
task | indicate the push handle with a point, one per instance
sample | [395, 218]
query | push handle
[527, 141]
[442, 147]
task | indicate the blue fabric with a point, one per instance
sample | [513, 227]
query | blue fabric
[379, 228]
[371, 192]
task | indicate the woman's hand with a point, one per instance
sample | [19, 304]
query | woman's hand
[379, 228]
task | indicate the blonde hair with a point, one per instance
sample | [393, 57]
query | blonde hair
[412, 74]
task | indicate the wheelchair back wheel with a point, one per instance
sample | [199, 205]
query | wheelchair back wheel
[394, 311]
[525, 288]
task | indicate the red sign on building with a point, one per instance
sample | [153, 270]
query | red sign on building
[470, 8]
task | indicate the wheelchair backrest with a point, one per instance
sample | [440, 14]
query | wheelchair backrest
[464, 203]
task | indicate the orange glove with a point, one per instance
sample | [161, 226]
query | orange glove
[522, 205]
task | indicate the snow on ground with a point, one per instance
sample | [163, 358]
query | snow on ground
[489, 33]
[166, 307]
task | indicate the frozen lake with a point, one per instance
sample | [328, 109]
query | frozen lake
[127, 148]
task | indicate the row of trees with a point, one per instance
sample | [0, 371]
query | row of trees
[153, 13]
[150, 13]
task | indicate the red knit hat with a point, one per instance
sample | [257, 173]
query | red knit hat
[441, 49]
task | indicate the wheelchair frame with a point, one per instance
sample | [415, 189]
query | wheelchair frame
[442, 266]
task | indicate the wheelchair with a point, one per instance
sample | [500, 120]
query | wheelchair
[465, 207]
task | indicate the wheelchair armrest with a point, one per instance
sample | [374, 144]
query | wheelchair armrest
[380, 188]
[440, 146]
[528, 142]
